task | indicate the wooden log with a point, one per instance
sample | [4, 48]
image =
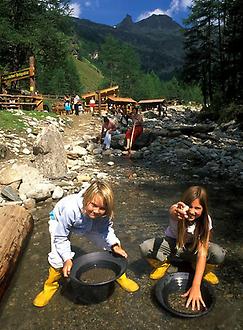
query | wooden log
[16, 223]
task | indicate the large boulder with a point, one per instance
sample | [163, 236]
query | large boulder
[22, 181]
[51, 158]
[118, 141]
[9, 174]
[144, 140]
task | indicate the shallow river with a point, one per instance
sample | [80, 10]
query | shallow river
[143, 196]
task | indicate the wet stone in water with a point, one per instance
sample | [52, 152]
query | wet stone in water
[178, 304]
[97, 275]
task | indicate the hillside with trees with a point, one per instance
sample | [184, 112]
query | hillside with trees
[148, 59]
[157, 40]
[64, 47]
[38, 28]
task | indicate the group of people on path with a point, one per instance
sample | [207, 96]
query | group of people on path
[73, 105]
[110, 128]
[91, 212]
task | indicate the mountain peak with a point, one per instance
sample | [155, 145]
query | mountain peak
[159, 22]
[126, 23]
[151, 23]
[158, 41]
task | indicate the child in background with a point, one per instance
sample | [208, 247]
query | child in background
[87, 213]
[67, 107]
[187, 238]
[108, 129]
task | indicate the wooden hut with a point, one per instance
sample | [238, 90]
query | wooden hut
[159, 104]
[100, 97]
[120, 103]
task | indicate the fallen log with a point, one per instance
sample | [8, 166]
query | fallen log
[16, 224]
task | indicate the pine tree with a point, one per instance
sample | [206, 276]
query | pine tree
[34, 27]
[213, 49]
[233, 40]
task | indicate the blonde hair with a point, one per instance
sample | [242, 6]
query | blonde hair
[104, 190]
[202, 223]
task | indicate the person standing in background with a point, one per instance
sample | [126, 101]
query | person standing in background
[92, 105]
[134, 132]
[76, 102]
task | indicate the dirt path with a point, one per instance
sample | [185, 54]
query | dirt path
[84, 124]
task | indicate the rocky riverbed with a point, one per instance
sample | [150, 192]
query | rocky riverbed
[181, 153]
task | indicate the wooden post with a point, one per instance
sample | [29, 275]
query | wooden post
[32, 74]
[99, 102]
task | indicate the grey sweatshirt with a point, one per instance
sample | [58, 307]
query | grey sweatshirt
[70, 217]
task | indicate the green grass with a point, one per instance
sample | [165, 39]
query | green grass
[14, 122]
[90, 76]
[11, 122]
[39, 115]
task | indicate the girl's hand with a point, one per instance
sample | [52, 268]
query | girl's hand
[118, 250]
[68, 264]
[181, 210]
[194, 298]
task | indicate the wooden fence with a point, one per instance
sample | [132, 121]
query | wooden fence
[23, 102]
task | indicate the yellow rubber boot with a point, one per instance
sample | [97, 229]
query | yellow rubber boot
[50, 287]
[160, 271]
[209, 276]
[127, 284]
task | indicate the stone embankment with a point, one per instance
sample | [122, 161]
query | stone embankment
[206, 149]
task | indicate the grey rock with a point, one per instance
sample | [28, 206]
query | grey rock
[10, 193]
[58, 193]
[52, 160]
[3, 151]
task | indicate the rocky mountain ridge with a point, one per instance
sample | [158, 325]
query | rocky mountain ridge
[158, 40]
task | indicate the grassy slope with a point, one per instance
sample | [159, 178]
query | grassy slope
[15, 122]
[90, 76]
[10, 122]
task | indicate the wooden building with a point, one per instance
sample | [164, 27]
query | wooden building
[159, 104]
[117, 103]
[100, 97]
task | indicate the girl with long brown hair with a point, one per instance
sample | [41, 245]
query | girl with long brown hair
[187, 238]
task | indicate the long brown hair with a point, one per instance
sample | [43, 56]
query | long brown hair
[103, 189]
[202, 223]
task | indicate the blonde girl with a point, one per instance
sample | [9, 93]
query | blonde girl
[88, 213]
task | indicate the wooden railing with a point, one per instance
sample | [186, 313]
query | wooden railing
[35, 102]
[23, 102]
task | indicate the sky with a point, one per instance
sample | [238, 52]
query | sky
[112, 12]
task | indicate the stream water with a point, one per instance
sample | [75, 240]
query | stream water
[143, 196]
